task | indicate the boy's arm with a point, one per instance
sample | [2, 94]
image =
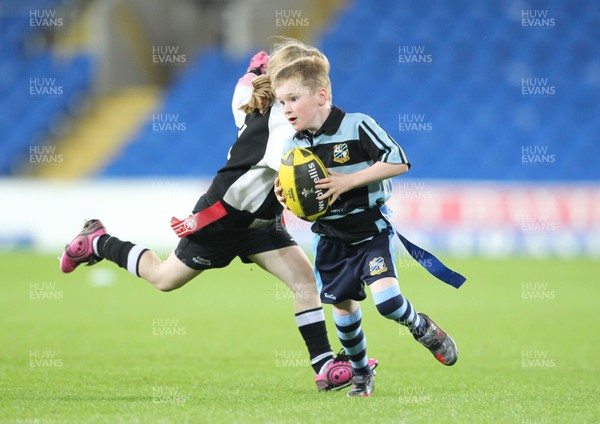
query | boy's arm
[389, 161]
[379, 144]
[337, 184]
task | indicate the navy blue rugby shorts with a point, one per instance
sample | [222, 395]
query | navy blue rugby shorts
[206, 250]
[342, 270]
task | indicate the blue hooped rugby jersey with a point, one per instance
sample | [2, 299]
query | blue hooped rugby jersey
[347, 143]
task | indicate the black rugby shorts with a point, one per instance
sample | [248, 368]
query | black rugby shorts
[206, 250]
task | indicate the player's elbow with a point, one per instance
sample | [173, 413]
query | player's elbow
[400, 169]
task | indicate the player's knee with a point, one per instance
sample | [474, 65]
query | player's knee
[383, 309]
[164, 288]
[394, 308]
[166, 284]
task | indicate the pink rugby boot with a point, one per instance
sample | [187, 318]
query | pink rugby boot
[80, 249]
[338, 373]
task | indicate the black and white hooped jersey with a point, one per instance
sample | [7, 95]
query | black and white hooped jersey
[347, 143]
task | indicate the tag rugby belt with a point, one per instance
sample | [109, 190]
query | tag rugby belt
[432, 264]
[195, 222]
[427, 260]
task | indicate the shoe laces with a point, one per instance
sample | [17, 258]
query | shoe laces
[342, 356]
[433, 337]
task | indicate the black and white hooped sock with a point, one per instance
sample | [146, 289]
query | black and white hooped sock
[311, 324]
[124, 253]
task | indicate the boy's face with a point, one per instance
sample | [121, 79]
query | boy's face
[301, 108]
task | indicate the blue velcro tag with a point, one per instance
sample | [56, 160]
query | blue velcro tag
[426, 259]
[432, 264]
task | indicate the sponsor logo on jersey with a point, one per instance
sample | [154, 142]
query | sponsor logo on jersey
[377, 266]
[341, 154]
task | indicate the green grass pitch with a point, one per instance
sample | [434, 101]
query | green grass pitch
[225, 348]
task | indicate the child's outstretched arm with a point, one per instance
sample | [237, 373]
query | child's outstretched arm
[243, 89]
[337, 183]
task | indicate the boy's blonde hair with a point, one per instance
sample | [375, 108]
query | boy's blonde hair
[284, 52]
[310, 72]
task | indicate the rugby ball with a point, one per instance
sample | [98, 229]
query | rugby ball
[299, 172]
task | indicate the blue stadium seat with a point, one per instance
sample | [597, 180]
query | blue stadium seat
[470, 92]
[27, 119]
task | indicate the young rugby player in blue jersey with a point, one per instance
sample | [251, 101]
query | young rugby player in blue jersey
[353, 240]
[238, 216]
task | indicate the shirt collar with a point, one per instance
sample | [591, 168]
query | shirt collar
[329, 127]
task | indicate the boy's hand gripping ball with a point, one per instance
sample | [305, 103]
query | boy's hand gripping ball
[299, 171]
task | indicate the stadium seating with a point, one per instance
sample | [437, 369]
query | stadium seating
[466, 91]
[477, 123]
[470, 92]
[198, 107]
[37, 90]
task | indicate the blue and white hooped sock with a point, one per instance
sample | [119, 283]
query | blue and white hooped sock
[353, 340]
[391, 304]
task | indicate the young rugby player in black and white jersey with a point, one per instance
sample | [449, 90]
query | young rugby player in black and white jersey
[353, 240]
[239, 215]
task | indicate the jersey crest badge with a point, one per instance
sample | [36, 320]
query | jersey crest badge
[377, 266]
[341, 154]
